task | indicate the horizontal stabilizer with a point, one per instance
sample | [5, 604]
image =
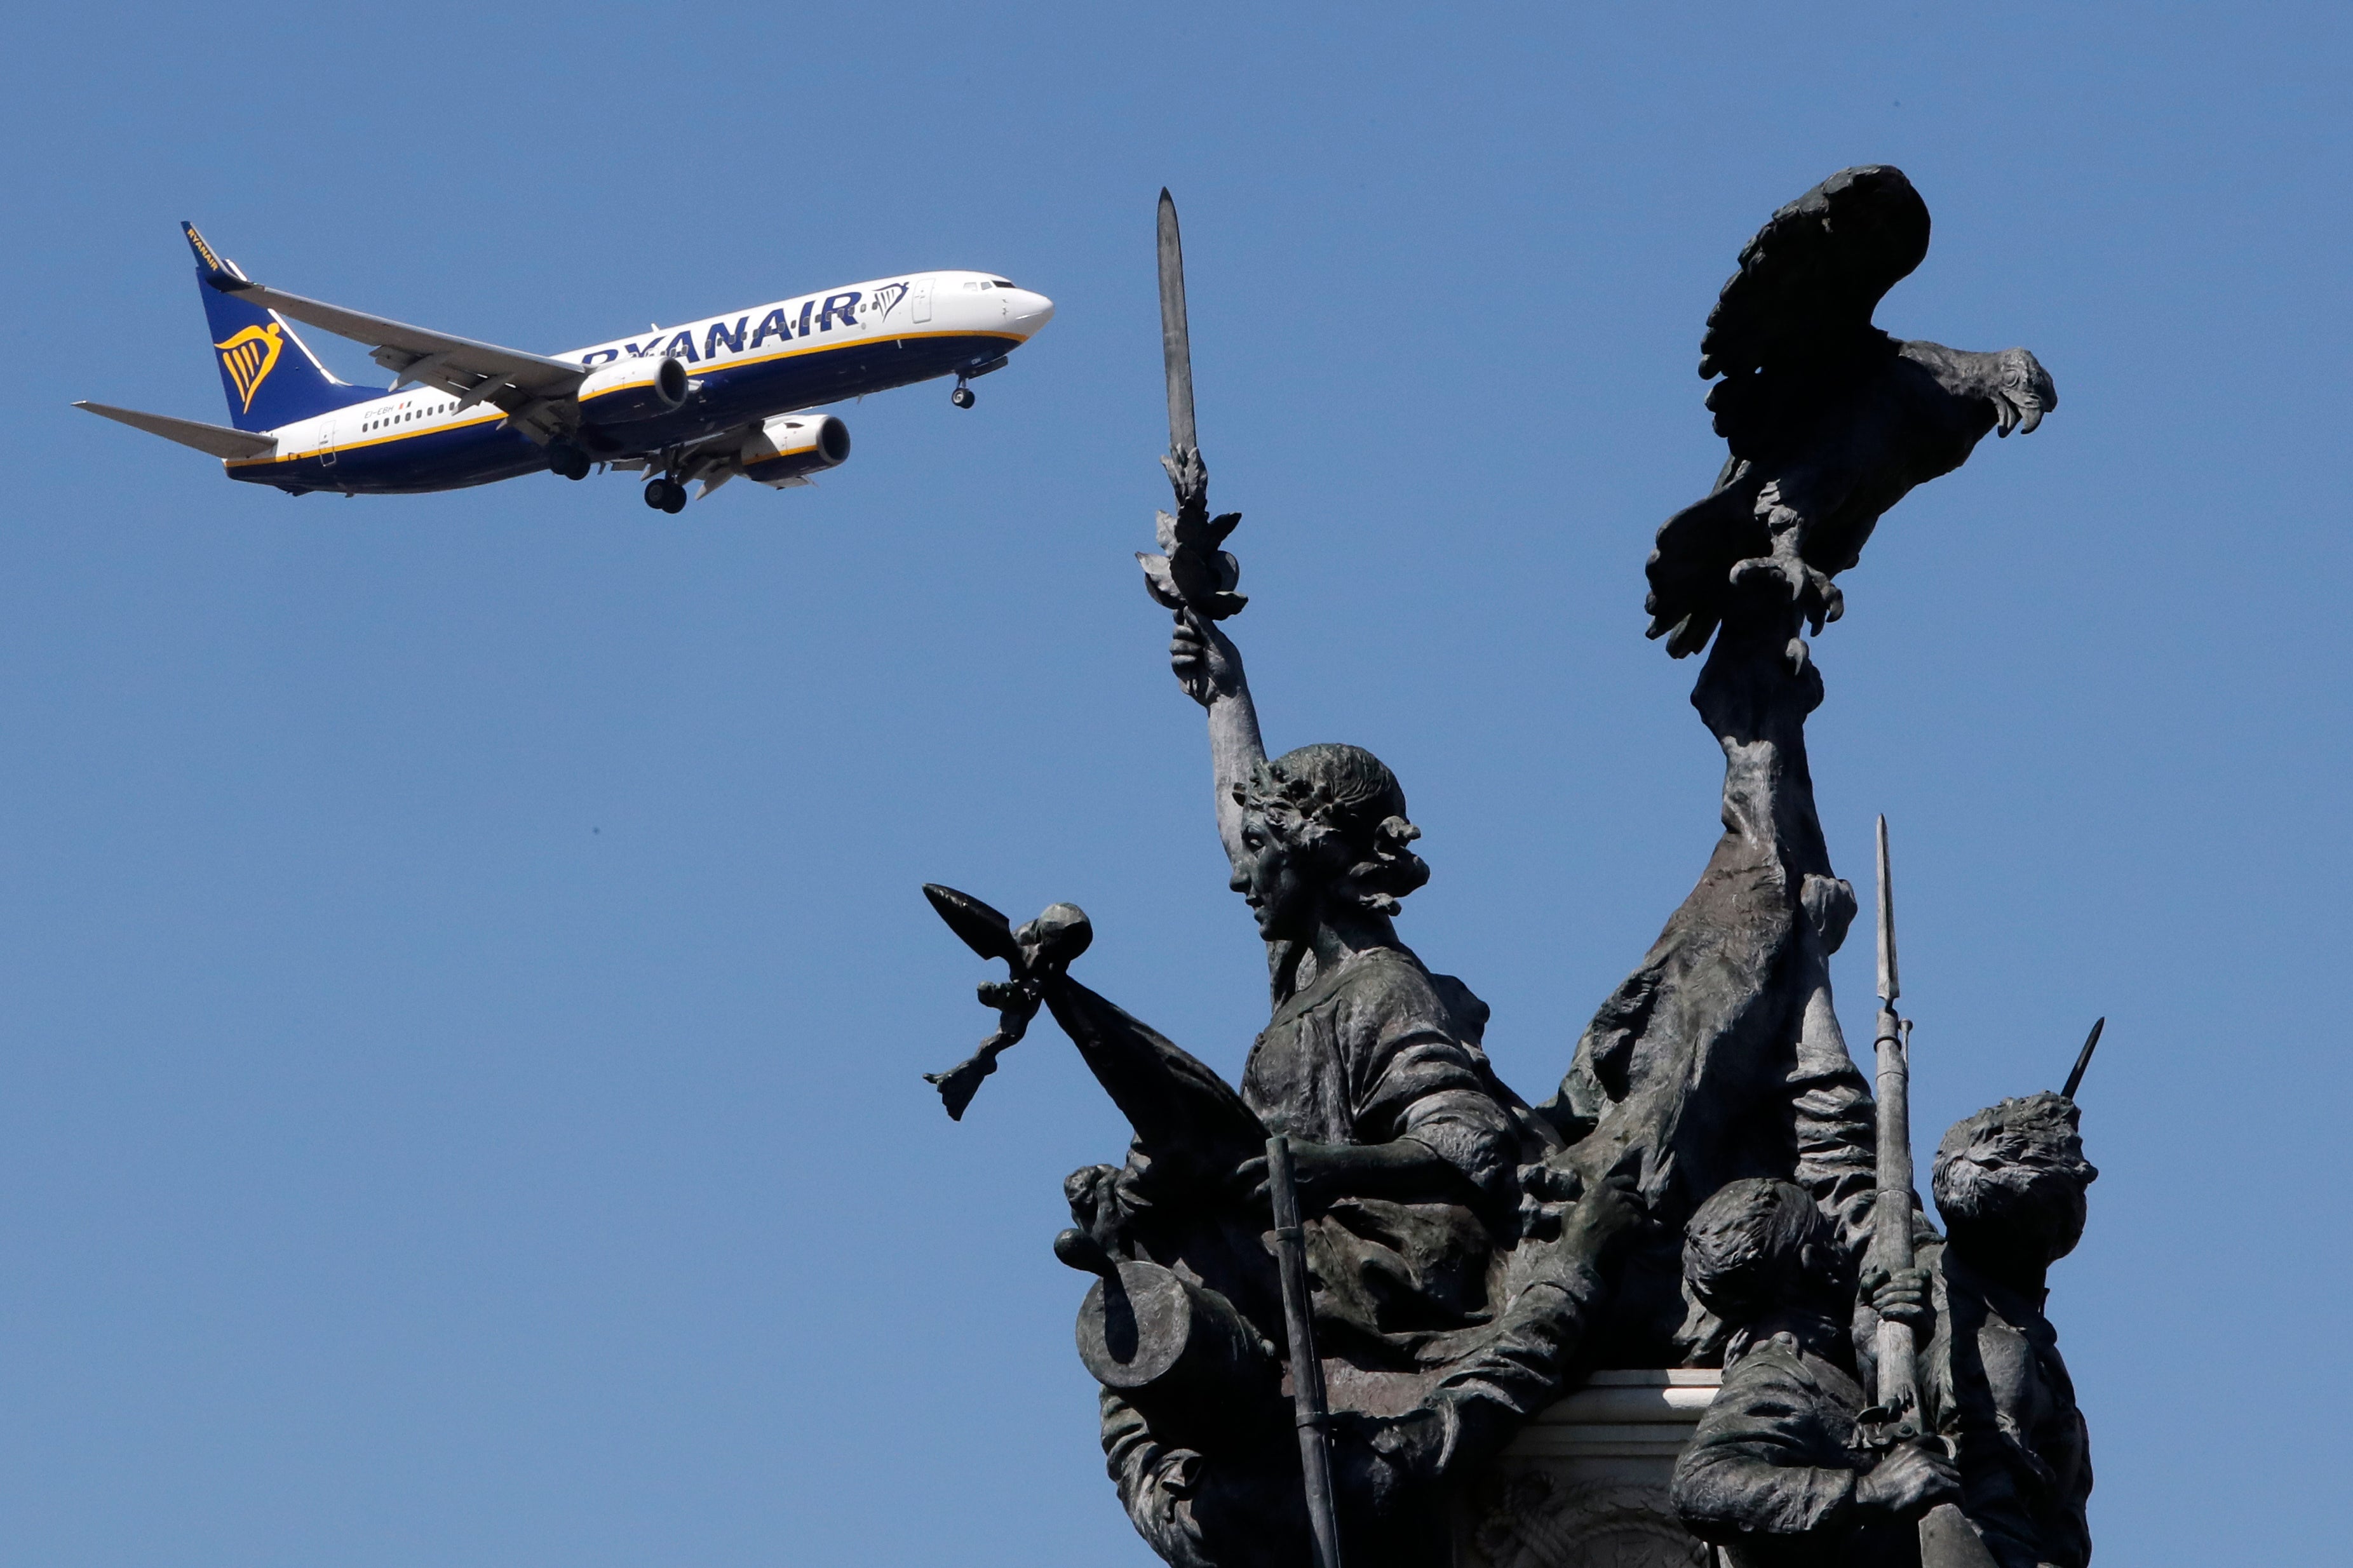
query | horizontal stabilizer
[218, 440]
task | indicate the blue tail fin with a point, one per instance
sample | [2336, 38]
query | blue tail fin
[270, 376]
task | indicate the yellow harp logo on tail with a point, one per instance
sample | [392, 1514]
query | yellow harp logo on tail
[249, 357]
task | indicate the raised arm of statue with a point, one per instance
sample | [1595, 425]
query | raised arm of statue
[1720, 1056]
[1209, 669]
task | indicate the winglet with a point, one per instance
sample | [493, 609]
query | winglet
[222, 274]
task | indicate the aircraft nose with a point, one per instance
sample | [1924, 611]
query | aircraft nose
[1029, 311]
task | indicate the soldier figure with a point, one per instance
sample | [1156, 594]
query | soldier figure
[2008, 1183]
[1777, 1472]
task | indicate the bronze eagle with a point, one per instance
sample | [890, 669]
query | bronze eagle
[1830, 420]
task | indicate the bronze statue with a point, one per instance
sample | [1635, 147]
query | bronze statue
[1410, 1156]
[1469, 1256]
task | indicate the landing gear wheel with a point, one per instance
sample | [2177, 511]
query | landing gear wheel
[962, 397]
[666, 495]
[567, 461]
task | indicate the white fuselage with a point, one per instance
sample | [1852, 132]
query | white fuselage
[743, 366]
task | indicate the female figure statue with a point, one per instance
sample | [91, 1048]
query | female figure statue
[1409, 1152]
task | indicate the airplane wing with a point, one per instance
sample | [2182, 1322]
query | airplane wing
[218, 439]
[712, 459]
[522, 384]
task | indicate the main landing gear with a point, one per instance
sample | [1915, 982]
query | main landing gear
[962, 397]
[567, 460]
[666, 495]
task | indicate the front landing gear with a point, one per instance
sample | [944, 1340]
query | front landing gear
[962, 397]
[666, 495]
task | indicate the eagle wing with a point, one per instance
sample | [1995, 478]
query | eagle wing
[1790, 331]
[1801, 302]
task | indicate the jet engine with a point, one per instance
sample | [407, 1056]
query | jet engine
[785, 449]
[635, 387]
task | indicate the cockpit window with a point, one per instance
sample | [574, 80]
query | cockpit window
[1000, 283]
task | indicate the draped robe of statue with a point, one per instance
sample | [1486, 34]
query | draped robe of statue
[1373, 1049]
[1376, 1050]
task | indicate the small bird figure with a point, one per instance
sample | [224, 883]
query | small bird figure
[1830, 421]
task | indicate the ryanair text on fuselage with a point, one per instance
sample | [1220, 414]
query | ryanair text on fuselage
[725, 395]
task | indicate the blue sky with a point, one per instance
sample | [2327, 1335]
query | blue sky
[462, 980]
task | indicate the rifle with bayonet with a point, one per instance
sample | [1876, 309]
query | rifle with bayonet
[1947, 1539]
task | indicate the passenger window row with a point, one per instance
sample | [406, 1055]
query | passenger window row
[406, 416]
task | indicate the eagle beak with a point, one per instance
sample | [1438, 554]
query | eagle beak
[2028, 418]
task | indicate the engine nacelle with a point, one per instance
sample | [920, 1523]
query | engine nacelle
[785, 449]
[638, 387]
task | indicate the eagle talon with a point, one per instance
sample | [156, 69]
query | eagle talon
[1815, 596]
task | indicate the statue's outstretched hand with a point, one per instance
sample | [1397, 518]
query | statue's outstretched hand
[1206, 664]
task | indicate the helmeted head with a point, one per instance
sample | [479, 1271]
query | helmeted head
[1757, 1245]
[2009, 1181]
[1324, 827]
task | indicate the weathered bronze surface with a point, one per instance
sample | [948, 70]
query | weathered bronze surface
[1469, 1256]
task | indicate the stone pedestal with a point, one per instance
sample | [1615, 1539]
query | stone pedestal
[1585, 1486]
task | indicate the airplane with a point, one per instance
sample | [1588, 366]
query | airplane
[708, 400]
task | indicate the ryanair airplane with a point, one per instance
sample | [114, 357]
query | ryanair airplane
[708, 400]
